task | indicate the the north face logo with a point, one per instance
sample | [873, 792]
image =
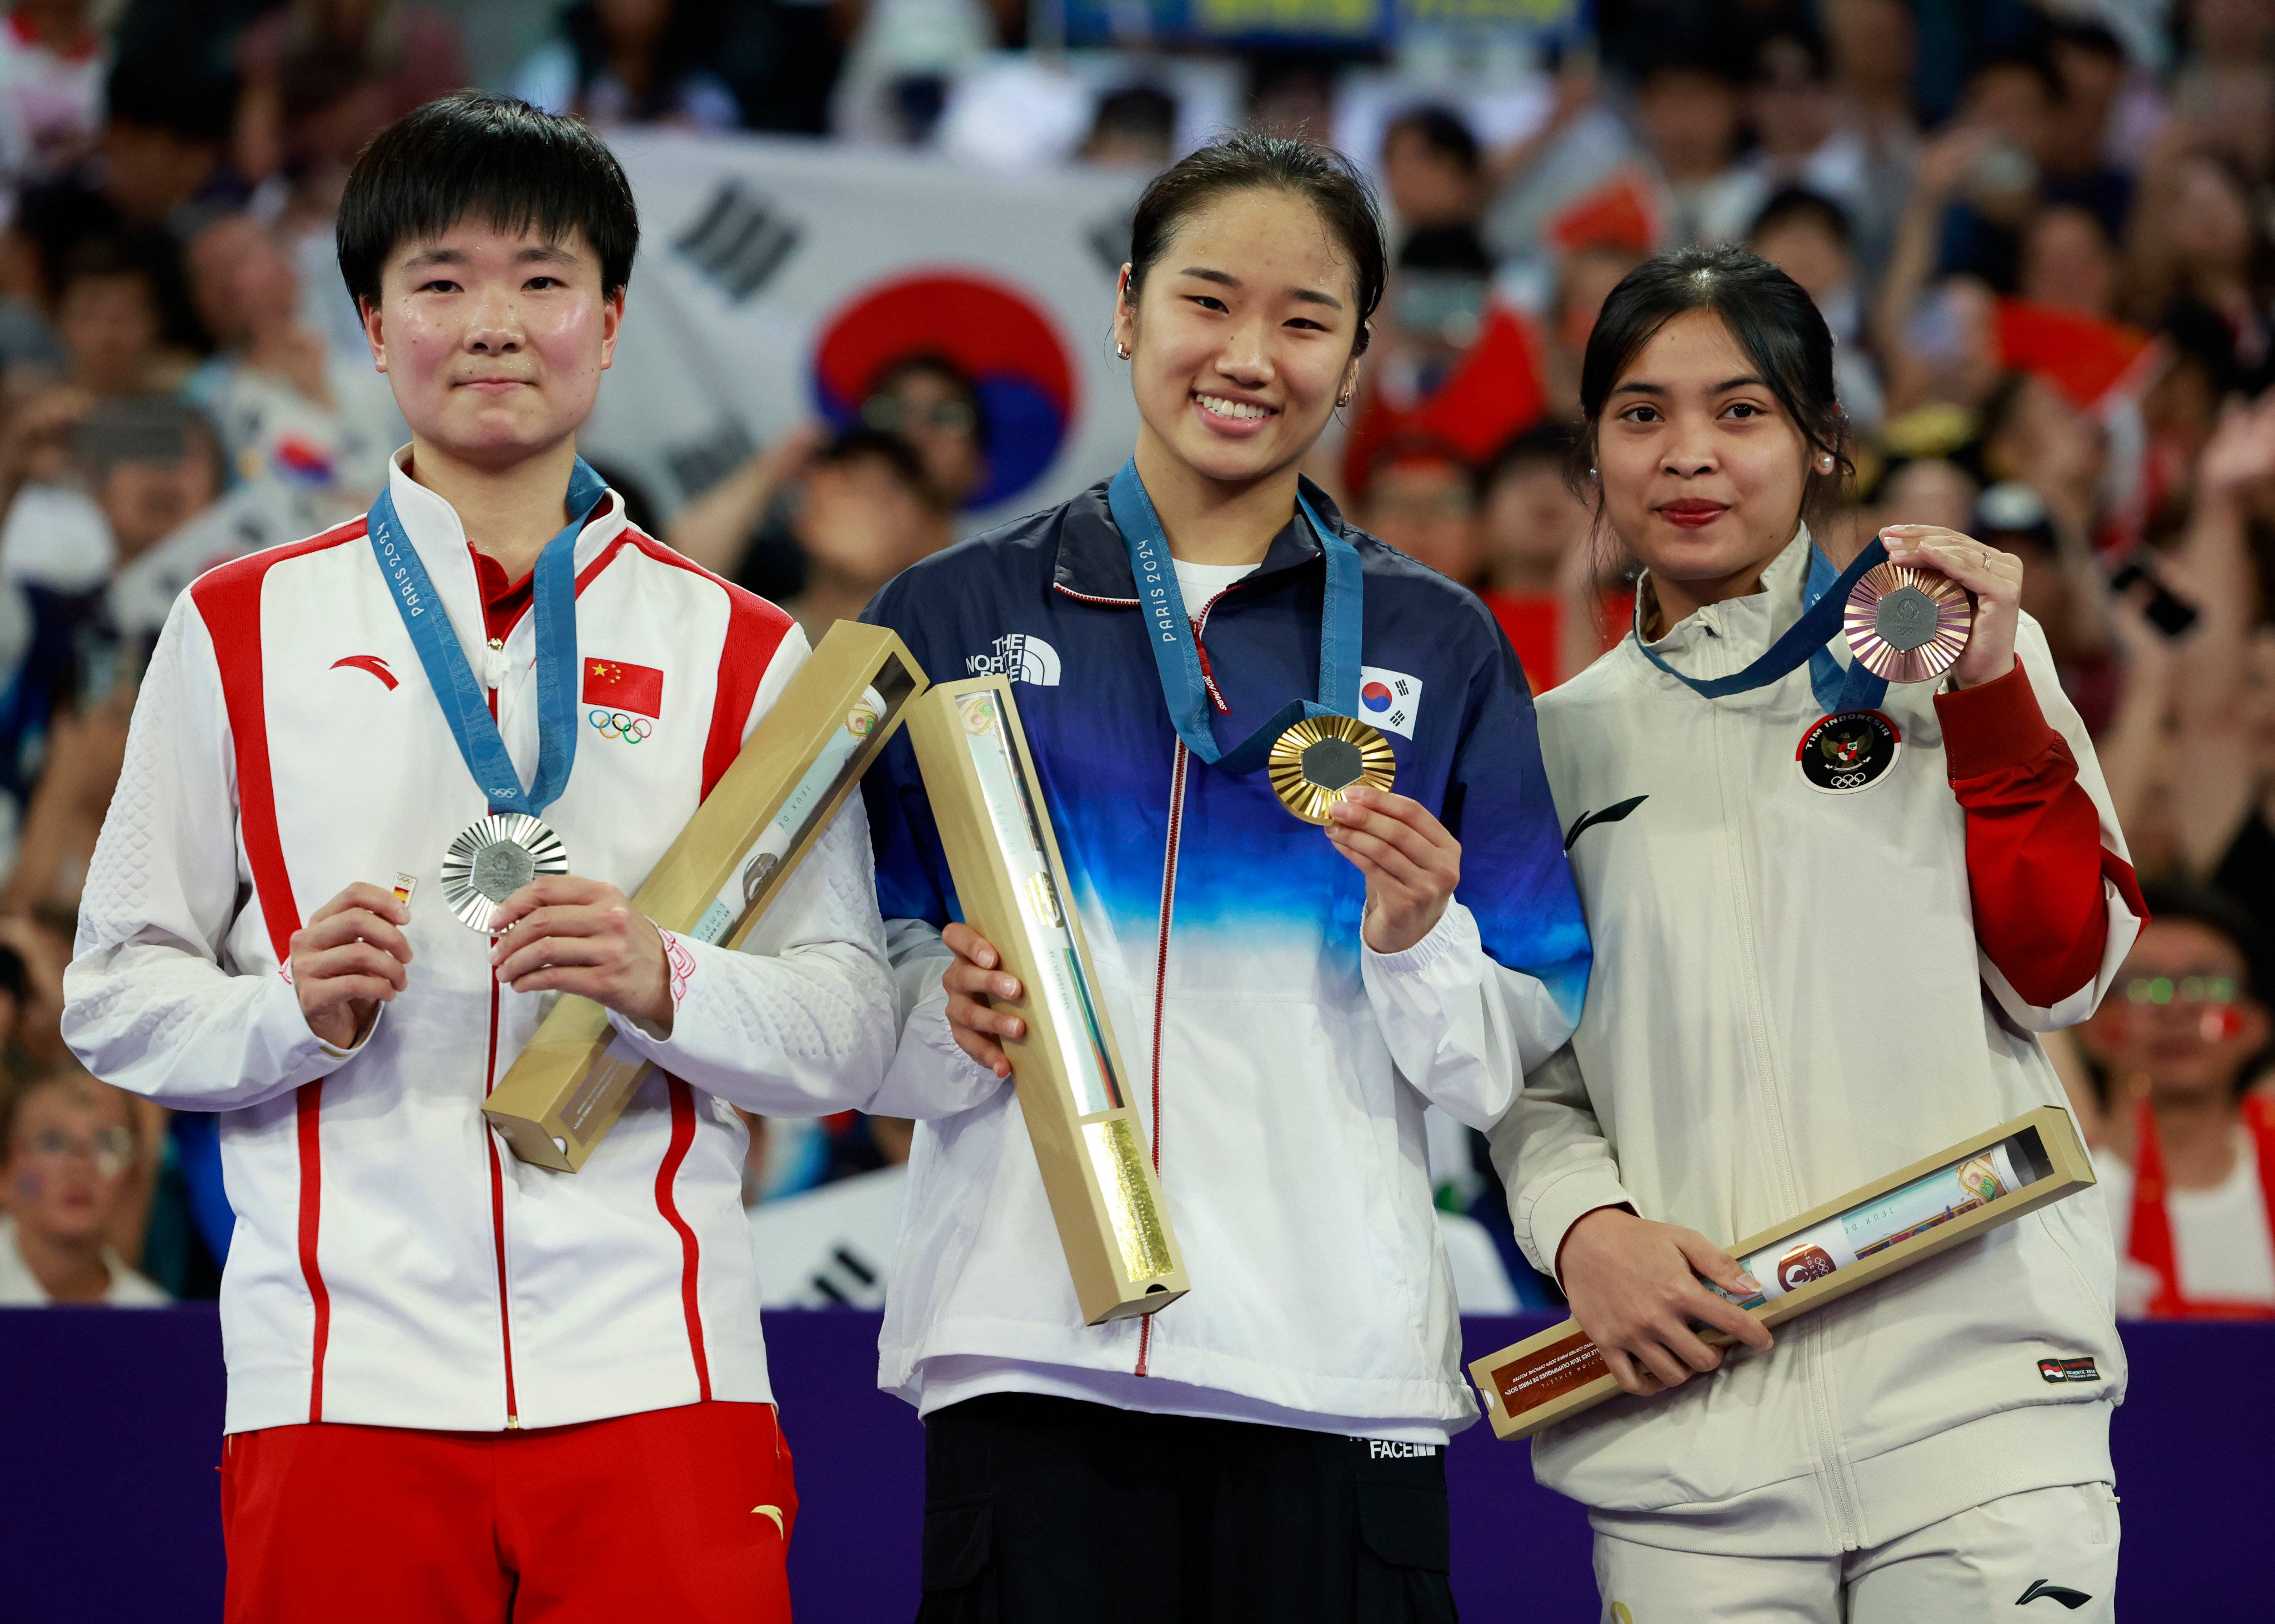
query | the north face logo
[1021, 658]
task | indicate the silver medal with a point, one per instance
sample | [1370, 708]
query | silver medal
[492, 859]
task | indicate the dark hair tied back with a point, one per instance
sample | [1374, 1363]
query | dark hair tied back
[1772, 320]
[1248, 161]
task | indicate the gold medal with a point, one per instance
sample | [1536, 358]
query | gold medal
[1313, 762]
[1908, 624]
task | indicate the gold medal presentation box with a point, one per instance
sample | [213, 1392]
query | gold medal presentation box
[1890, 1224]
[1012, 885]
[567, 1089]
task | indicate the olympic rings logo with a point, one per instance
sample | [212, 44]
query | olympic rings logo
[617, 724]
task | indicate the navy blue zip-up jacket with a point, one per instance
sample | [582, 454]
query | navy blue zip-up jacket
[1280, 1067]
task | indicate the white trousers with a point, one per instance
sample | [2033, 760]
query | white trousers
[2047, 1556]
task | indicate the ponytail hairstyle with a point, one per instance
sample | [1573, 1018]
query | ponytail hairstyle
[1775, 325]
[1251, 160]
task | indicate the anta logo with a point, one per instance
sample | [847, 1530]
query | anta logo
[1388, 699]
[2045, 1591]
[622, 699]
[1021, 658]
[372, 663]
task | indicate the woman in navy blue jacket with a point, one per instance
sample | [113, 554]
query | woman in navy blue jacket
[1270, 1445]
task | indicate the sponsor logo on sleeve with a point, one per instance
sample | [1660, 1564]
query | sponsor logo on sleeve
[2069, 1369]
[1388, 699]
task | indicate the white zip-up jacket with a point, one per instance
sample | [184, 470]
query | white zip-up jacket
[1797, 991]
[1279, 1067]
[393, 1264]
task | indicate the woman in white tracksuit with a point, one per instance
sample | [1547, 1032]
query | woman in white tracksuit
[1829, 921]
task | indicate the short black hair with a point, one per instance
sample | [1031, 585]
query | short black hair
[864, 444]
[491, 158]
[1252, 160]
[1546, 444]
[2020, 56]
[1770, 317]
[2095, 38]
[2170, 903]
[1441, 130]
[1791, 203]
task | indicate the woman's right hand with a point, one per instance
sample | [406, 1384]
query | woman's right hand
[1634, 1287]
[975, 978]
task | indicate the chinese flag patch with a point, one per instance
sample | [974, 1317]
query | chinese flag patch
[622, 686]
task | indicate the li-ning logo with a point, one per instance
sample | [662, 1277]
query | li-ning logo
[1021, 658]
[2042, 1588]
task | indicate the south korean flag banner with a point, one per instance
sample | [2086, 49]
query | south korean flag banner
[1388, 699]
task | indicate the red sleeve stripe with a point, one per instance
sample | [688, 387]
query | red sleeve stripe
[755, 629]
[2034, 860]
[683, 1135]
[229, 601]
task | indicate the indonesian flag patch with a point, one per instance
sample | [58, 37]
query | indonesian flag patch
[620, 685]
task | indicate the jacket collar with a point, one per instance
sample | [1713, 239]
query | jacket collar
[1094, 565]
[1737, 629]
[433, 527]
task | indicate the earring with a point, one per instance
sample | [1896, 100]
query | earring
[1341, 401]
[1591, 473]
[1826, 464]
[1121, 349]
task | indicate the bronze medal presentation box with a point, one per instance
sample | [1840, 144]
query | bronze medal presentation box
[1012, 885]
[1894, 1222]
[568, 1087]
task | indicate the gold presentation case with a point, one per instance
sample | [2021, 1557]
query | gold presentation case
[568, 1087]
[1543, 1379]
[1011, 884]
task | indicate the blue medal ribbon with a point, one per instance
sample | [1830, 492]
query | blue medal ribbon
[1824, 601]
[1177, 653]
[464, 702]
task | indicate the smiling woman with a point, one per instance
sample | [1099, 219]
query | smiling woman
[1295, 998]
[1835, 911]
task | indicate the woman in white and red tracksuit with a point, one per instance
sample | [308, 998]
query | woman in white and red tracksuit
[463, 1388]
[1827, 930]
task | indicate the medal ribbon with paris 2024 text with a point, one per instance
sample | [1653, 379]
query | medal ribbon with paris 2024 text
[465, 703]
[1824, 601]
[1177, 653]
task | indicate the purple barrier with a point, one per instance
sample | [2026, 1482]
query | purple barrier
[110, 1429]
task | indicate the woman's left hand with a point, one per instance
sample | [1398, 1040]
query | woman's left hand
[1411, 863]
[1993, 577]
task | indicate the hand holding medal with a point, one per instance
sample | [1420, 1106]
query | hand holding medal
[1994, 577]
[564, 935]
[1410, 861]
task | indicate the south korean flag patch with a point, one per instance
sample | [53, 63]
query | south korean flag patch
[1388, 700]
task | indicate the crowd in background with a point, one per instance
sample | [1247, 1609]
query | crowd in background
[2043, 234]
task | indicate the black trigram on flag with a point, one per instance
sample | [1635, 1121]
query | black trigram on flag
[698, 466]
[739, 242]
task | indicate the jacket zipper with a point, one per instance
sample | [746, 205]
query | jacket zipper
[489, 1139]
[1834, 1464]
[1162, 987]
[1168, 908]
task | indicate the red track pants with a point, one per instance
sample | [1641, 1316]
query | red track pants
[678, 1515]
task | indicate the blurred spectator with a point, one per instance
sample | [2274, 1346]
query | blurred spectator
[895, 84]
[633, 62]
[1688, 105]
[2070, 263]
[51, 88]
[74, 1169]
[1431, 178]
[2203, 267]
[1292, 93]
[931, 402]
[2187, 1170]
[1133, 128]
[408, 53]
[166, 129]
[1421, 498]
[871, 511]
[1807, 237]
[1539, 559]
[1926, 490]
[287, 403]
[107, 317]
[1803, 139]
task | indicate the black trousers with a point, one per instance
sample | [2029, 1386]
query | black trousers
[1053, 1511]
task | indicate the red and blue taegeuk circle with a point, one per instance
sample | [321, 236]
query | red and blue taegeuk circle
[1002, 339]
[1375, 696]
